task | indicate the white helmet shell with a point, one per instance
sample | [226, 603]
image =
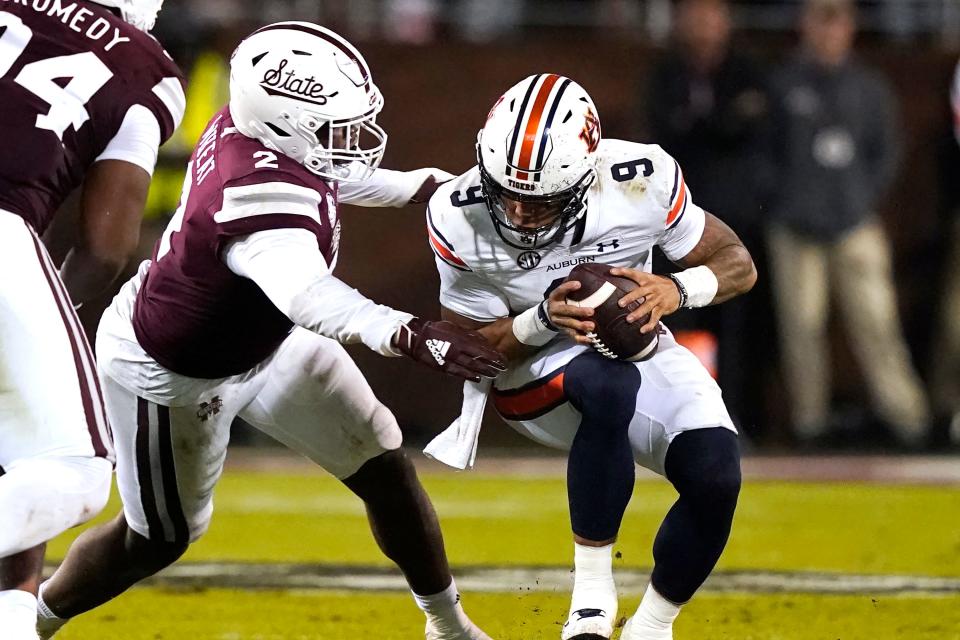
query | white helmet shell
[140, 13]
[306, 92]
[539, 145]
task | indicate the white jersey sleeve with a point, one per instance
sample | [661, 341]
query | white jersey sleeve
[470, 295]
[288, 266]
[387, 188]
[137, 141]
[683, 220]
[462, 290]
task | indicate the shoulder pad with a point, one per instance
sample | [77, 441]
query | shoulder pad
[461, 192]
[447, 223]
[625, 164]
[243, 161]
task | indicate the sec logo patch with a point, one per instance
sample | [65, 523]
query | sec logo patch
[528, 260]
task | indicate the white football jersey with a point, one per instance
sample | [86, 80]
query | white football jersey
[638, 200]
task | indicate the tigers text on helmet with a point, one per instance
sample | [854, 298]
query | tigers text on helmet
[304, 91]
[537, 152]
[140, 13]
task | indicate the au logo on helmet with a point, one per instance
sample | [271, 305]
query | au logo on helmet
[591, 131]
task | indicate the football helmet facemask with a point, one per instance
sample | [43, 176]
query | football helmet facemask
[140, 13]
[537, 156]
[304, 91]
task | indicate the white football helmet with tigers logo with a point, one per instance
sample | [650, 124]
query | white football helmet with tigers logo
[539, 148]
[304, 91]
[140, 13]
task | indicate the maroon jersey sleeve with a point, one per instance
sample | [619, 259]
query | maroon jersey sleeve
[195, 316]
[263, 190]
[165, 99]
[69, 72]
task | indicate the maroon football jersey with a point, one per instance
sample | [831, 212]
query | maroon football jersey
[69, 72]
[192, 314]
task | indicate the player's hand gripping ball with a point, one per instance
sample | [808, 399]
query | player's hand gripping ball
[612, 336]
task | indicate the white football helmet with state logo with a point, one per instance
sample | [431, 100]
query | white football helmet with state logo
[539, 148]
[140, 13]
[304, 91]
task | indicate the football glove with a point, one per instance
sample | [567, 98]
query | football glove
[443, 345]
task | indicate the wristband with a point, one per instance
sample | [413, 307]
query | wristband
[682, 290]
[533, 327]
[697, 286]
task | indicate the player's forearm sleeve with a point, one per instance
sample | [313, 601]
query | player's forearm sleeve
[288, 266]
[386, 188]
[334, 309]
[137, 140]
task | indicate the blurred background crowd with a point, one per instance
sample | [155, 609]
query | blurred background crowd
[425, 21]
[820, 130]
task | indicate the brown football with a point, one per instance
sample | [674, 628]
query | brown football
[613, 336]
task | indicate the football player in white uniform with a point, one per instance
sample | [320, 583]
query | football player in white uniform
[239, 314]
[548, 193]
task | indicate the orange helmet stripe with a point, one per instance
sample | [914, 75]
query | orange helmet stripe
[533, 124]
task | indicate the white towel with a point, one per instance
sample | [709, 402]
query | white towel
[456, 445]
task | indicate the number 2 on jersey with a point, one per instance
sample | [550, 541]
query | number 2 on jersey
[86, 73]
[267, 160]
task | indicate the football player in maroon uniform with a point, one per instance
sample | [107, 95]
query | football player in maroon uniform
[87, 98]
[238, 314]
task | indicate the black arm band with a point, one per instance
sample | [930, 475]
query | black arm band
[682, 289]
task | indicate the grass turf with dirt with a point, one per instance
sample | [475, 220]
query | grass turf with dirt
[503, 521]
[857, 528]
[218, 614]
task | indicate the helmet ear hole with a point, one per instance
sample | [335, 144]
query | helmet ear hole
[277, 130]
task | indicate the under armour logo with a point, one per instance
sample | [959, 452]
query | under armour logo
[211, 408]
[615, 244]
[438, 349]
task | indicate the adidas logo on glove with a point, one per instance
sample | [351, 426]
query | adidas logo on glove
[438, 349]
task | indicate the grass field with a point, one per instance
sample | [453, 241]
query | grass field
[789, 537]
